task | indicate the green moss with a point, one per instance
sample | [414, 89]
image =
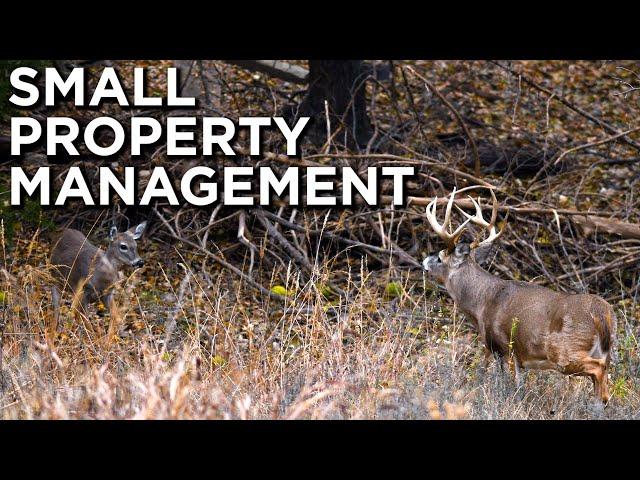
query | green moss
[280, 290]
[218, 361]
[325, 291]
[393, 290]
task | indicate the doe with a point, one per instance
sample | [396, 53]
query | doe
[89, 271]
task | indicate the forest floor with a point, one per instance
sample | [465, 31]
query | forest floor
[181, 348]
[190, 339]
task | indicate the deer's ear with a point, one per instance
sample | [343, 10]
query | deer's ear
[462, 249]
[112, 232]
[483, 253]
[139, 230]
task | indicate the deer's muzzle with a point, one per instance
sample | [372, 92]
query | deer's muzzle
[429, 262]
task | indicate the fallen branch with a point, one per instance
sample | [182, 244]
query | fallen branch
[593, 144]
[282, 70]
[280, 239]
[429, 162]
[591, 224]
[465, 203]
[628, 259]
[293, 251]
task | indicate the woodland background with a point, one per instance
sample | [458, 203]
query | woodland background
[309, 313]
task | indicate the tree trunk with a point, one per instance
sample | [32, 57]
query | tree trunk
[342, 84]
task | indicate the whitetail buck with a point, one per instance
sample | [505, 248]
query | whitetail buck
[89, 271]
[534, 326]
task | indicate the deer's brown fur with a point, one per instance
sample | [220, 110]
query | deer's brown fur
[534, 326]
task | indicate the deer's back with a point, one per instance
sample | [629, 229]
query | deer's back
[545, 325]
[73, 257]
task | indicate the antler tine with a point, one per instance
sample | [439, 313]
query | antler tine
[441, 230]
[447, 212]
[459, 230]
[492, 236]
[494, 208]
[431, 217]
[478, 218]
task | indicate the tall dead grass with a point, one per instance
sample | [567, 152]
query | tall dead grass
[201, 346]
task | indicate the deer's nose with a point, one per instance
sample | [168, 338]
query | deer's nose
[138, 263]
[427, 262]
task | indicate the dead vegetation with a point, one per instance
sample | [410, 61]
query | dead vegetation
[309, 313]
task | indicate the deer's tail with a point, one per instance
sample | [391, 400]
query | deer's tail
[605, 323]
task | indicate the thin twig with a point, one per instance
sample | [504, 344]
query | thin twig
[568, 104]
[455, 112]
[219, 260]
[575, 149]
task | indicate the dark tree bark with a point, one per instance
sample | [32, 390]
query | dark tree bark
[5, 147]
[342, 84]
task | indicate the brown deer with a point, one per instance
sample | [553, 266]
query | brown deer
[89, 271]
[534, 326]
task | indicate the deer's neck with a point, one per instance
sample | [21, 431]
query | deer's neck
[111, 257]
[472, 288]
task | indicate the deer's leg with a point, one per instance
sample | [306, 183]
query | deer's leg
[597, 370]
[604, 385]
[517, 373]
[55, 301]
[79, 302]
[107, 300]
[499, 364]
[600, 386]
[490, 355]
[487, 358]
[501, 361]
[85, 299]
[519, 377]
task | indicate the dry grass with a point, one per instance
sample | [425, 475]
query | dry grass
[193, 347]
[190, 342]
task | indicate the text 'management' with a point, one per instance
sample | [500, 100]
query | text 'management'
[181, 136]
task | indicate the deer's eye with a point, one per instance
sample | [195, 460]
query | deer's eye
[123, 247]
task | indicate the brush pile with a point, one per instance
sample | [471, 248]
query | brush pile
[555, 139]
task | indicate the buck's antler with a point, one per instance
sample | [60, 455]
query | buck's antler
[441, 230]
[478, 219]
